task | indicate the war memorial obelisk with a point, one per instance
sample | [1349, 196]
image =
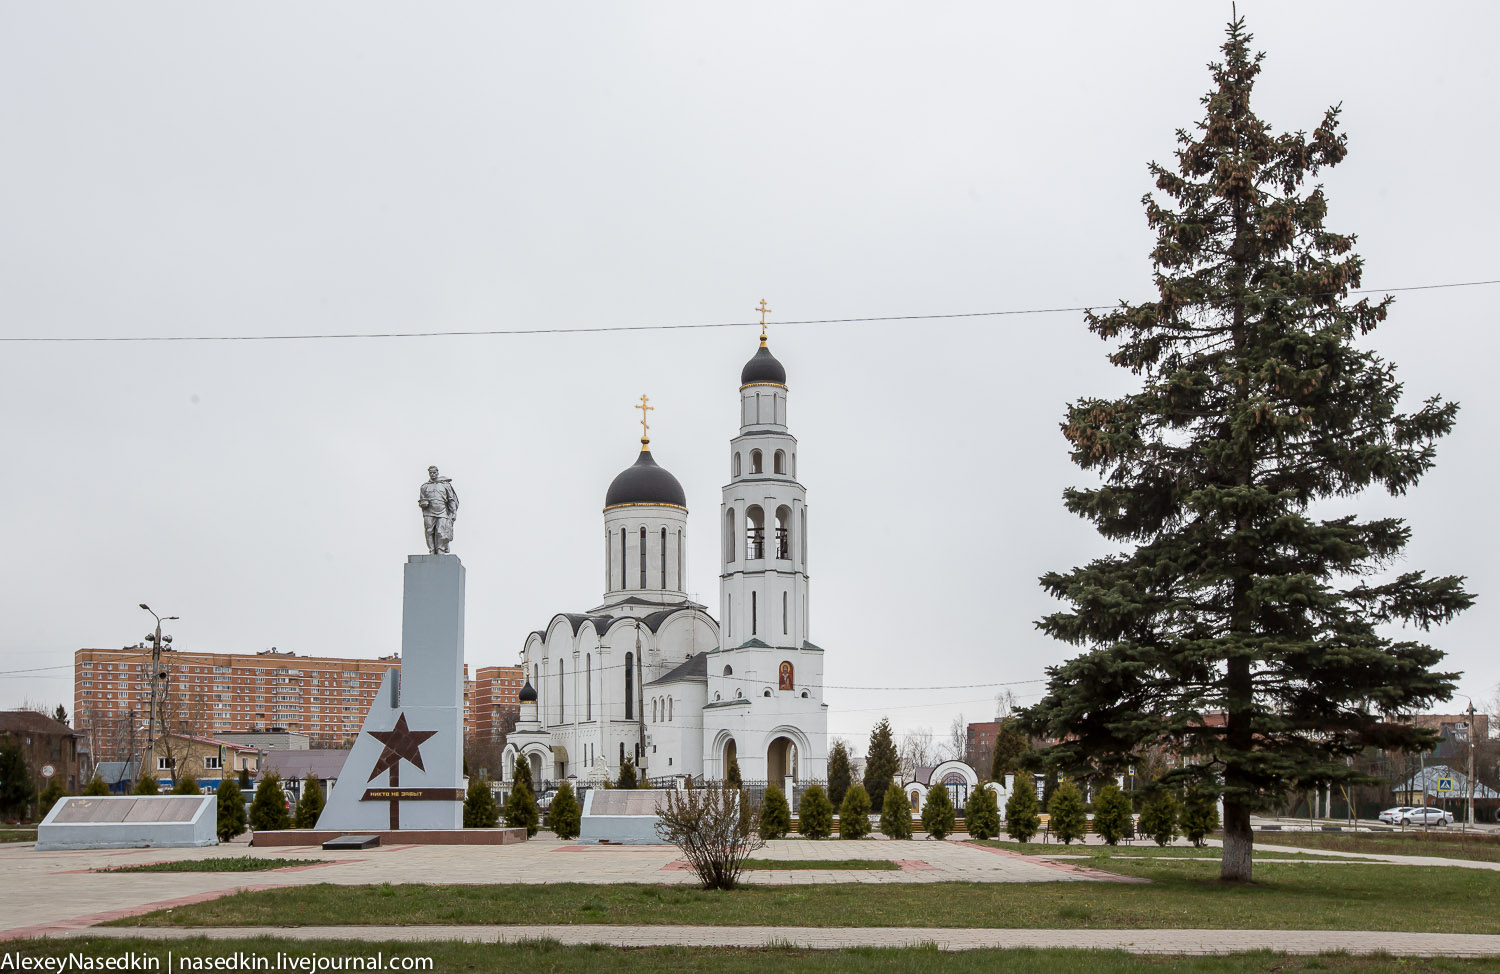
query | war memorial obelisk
[406, 768]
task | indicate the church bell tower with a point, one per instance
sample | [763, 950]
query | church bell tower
[763, 517]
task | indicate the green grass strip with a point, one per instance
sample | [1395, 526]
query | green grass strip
[798, 864]
[228, 864]
[1182, 893]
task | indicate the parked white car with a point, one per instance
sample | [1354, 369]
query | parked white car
[1426, 816]
[1392, 816]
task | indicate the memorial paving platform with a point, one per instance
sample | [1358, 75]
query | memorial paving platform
[316, 837]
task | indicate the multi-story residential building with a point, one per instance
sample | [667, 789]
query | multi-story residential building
[494, 703]
[211, 694]
[52, 749]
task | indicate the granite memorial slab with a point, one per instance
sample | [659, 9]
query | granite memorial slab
[130, 822]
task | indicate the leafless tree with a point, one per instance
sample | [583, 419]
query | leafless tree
[1005, 704]
[716, 835]
[957, 744]
[917, 750]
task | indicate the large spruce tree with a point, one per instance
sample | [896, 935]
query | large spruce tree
[1257, 400]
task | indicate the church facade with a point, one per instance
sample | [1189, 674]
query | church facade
[650, 676]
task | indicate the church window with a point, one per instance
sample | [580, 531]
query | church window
[755, 532]
[784, 629]
[755, 462]
[622, 754]
[780, 462]
[669, 709]
[729, 671]
[739, 694]
[588, 686]
[624, 571]
[730, 536]
[802, 536]
[736, 463]
[754, 611]
[783, 532]
[680, 580]
[766, 694]
[643, 557]
[561, 679]
[655, 711]
[794, 466]
[663, 557]
[629, 687]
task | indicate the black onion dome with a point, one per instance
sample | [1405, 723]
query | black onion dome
[763, 367]
[643, 482]
[527, 694]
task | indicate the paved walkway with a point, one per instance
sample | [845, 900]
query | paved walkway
[1134, 941]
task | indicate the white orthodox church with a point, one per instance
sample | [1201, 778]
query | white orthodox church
[648, 674]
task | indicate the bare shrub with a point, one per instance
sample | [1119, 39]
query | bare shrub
[707, 825]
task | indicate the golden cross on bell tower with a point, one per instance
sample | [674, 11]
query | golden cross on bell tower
[645, 427]
[763, 312]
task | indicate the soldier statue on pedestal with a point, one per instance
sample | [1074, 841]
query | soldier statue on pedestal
[439, 503]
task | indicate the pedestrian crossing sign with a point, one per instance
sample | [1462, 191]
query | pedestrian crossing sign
[1445, 784]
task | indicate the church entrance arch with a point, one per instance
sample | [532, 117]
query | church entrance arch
[781, 760]
[536, 767]
[731, 755]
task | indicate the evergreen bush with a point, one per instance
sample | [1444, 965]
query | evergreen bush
[815, 818]
[521, 811]
[982, 818]
[268, 808]
[231, 810]
[732, 773]
[938, 816]
[145, 785]
[1159, 816]
[775, 814]
[628, 778]
[1200, 815]
[882, 763]
[50, 796]
[16, 786]
[186, 784]
[565, 814]
[895, 813]
[96, 786]
[839, 774]
[480, 811]
[854, 813]
[1022, 820]
[1112, 819]
[1066, 817]
[310, 804]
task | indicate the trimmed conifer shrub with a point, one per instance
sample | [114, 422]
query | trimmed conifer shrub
[186, 784]
[1200, 815]
[839, 774]
[96, 786]
[1112, 814]
[628, 778]
[521, 811]
[231, 810]
[732, 773]
[895, 813]
[565, 814]
[145, 785]
[1022, 820]
[50, 796]
[938, 816]
[854, 813]
[1159, 816]
[815, 818]
[268, 808]
[982, 818]
[775, 814]
[882, 762]
[310, 804]
[1067, 818]
[480, 811]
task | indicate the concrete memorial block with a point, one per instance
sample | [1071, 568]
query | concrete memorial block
[623, 817]
[130, 822]
[406, 768]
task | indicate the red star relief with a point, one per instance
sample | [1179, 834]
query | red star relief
[401, 742]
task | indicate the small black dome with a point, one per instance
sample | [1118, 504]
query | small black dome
[527, 694]
[763, 367]
[643, 482]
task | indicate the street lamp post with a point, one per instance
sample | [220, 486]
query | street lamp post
[158, 642]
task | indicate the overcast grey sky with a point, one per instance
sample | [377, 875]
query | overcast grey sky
[197, 169]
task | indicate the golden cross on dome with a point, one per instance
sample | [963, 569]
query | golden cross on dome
[763, 312]
[645, 427]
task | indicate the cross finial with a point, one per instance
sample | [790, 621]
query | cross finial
[645, 427]
[763, 312]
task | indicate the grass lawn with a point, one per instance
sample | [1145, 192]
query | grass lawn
[1182, 893]
[553, 957]
[1448, 844]
[1147, 850]
[18, 835]
[229, 864]
[876, 864]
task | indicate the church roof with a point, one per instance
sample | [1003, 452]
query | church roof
[763, 367]
[527, 694]
[645, 483]
[694, 668]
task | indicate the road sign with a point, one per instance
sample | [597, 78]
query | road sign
[1445, 784]
[48, 771]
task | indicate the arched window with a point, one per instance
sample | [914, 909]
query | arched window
[736, 463]
[624, 572]
[731, 537]
[755, 466]
[562, 677]
[588, 685]
[681, 580]
[655, 712]
[784, 629]
[729, 671]
[629, 688]
[663, 557]
[802, 536]
[783, 532]
[779, 462]
[755, 532]
[643, 557]
[669, 709]
[794, 466]
[754, 611]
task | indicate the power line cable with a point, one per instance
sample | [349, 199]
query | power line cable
[598, 329]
